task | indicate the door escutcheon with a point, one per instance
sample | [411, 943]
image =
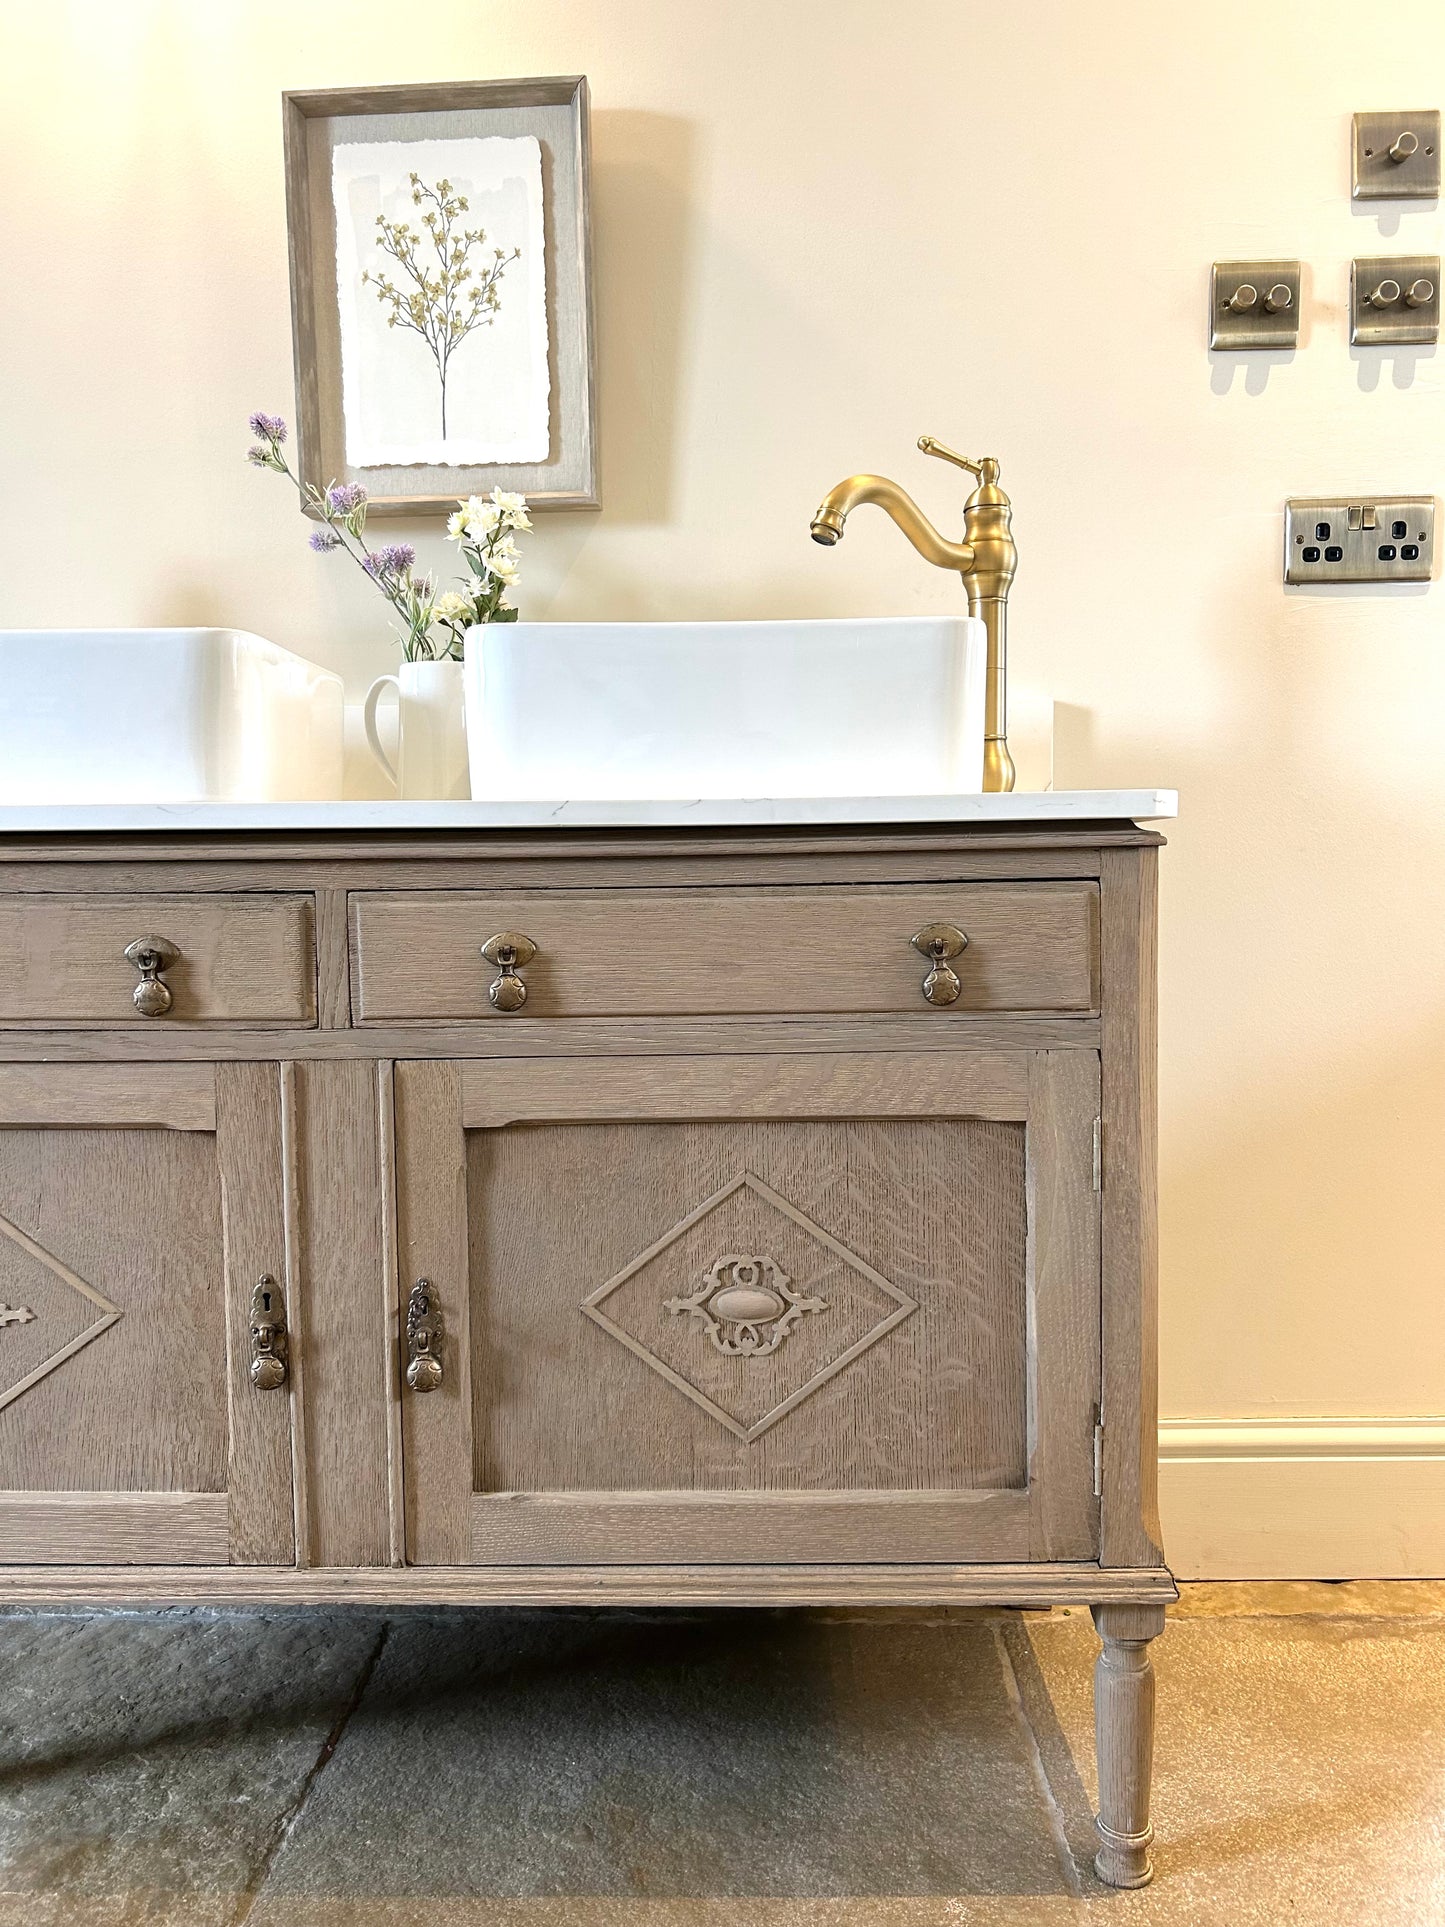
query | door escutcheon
[423, 1338]
[268, 1336]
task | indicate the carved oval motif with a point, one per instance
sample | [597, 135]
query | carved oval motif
[746, 1305]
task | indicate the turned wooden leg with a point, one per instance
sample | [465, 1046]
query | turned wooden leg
[1124, 1741]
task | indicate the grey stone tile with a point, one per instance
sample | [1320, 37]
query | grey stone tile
[1299, 1767]
[148, 1762]
[719, 1756]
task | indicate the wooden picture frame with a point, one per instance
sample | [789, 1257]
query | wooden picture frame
[555, 112]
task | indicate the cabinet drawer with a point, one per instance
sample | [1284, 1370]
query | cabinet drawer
[1031, 947]
[238, 959]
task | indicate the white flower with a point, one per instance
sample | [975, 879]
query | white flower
[503, 563]
[476, 516]
[512, 509]
[451, 606]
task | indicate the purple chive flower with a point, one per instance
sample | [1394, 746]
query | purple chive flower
[270, 427]
[325, 539]
[345, 498]
[258, 457]
[395, 559]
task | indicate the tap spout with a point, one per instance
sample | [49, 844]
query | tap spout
[839, 502]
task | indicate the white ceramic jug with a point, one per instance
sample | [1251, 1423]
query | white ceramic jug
[431, 755]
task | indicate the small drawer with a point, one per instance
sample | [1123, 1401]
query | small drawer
[417, 956]
[232, 960]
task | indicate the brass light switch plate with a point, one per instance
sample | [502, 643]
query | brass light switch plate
[1395, 300]
[1254, 304]
[1396, 156]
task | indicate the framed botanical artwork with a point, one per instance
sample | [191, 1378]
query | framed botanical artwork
[441, 291]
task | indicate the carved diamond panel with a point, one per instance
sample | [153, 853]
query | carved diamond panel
[47, 1312]
[748, 1306]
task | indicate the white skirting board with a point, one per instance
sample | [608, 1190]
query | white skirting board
[1266, 1498]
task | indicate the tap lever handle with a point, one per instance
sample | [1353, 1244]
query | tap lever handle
[932, 447]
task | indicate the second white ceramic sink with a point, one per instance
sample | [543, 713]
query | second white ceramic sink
[164, 716]
[891, 706]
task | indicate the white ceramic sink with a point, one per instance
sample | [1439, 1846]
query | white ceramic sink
[885, 707]
[164, 716]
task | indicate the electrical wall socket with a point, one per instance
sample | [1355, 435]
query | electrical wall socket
[1360, 538]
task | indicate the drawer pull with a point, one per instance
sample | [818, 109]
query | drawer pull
[152, 955]
[511, 952]
[938, 942]
[268, 1336]
[423, 1339]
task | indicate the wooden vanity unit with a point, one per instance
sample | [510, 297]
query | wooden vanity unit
[566, 1217]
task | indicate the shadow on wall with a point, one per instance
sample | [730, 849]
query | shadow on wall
[1300, 1211]
[642, 168]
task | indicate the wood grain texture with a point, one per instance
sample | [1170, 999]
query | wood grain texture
[605, 954]
[722, 1528]
[135, 1216]
[393, 1362]
[244, 959]
[296, 1308]
[114, 1528]
[936, 1208]
[340, 1261]
[176, 1097]
[1124, 1740]
[1129, 1514]
[262, 1528]
[874, 1584]
[984, 1084]
[526, 1037]
[1063, 1267]
[333, 961]
[899, 850]
[432, 1221]
[556, 112]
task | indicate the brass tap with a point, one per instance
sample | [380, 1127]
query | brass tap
[986, 559]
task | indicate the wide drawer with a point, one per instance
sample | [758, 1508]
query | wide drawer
[238, 959]
[599, 953]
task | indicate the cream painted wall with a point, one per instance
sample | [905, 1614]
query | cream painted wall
[822, 228]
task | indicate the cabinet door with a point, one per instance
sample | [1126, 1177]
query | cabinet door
[782, 1309]
[140, 1207]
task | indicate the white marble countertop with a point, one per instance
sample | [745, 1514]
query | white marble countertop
[1020, 806]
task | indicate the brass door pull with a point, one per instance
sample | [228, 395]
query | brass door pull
[423, 1338]
[151, 955]
[939, 942]
[268, 1336]
[511, 952]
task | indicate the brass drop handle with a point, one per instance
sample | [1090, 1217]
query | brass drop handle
[940, 942]
[511, 952]
[423, 1338]
[152, 955]
[268, 1336]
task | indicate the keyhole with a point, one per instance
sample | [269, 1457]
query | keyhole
[266, 1301]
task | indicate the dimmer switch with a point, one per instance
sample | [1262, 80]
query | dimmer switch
[1341, 538]
[1397, 156]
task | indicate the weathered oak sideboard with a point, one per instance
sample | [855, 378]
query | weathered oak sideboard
[753, 1217]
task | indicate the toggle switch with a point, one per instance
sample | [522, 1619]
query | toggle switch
[1241, 317]
[1395, 301]
[1396, 157]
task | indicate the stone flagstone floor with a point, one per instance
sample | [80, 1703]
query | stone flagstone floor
[357, 1768]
